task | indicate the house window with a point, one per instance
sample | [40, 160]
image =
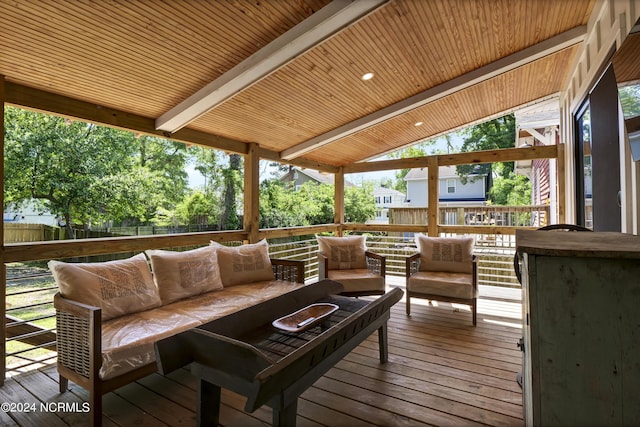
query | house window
[451, 186]
[377, 200]
[387, 199]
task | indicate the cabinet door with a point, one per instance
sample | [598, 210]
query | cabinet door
[528, 276]
[579, 330]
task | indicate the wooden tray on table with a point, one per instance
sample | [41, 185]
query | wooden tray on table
[305, 318]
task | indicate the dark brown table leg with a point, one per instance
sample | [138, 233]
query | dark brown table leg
[208, 410]
[286, 417]
[383, 343]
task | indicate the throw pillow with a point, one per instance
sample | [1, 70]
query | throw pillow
[180, 275]
[450, 254]
[344, 253]
[118, 287]
[244, 264]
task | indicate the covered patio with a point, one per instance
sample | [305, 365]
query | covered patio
[328, 85]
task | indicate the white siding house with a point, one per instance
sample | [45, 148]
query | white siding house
[452, 192]
[29, 214]
[386, 198]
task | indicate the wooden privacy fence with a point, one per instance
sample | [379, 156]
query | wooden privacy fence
[21, 232]
[528, 215]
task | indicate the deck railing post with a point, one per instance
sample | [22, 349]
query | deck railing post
[338, 203]
[3, 270]
[433, 196]
[251, 214]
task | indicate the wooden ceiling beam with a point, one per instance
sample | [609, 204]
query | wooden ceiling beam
[51, 103]
[320, 26]
[502, 65]
[473, 157]
[274, 156]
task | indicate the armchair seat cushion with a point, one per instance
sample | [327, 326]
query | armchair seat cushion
[358, 280]
[446, 284]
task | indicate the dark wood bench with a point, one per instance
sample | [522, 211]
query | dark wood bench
[244, 353]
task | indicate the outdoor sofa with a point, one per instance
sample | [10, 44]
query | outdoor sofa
[110, 314]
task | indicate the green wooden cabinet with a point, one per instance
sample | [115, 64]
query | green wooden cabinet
[581, 328]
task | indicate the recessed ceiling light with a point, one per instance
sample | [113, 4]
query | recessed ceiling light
[418, 124]
[367, 76]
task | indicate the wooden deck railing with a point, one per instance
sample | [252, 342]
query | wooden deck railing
[31, 325]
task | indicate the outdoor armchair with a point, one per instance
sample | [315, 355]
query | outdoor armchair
[444, 269]
[347, 260]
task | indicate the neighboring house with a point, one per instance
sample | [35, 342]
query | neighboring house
[29, 214]
[386, 198]
[299, 176]
[539, 125]
[452, 192]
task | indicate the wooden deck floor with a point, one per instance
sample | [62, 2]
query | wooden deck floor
[441, 371]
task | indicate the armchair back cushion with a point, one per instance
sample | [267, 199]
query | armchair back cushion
[117, 287]
[180, 275]
[445, 254]
[344, 253]
[244, 264]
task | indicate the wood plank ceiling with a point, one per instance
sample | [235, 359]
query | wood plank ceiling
[146, 56]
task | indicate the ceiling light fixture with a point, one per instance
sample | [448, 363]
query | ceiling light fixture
[367, 76]
[418, 124]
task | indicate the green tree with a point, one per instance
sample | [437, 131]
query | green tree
[492, 135]
[512, 190]
[279, 205]
[630, 100]
[232, 186]
[197, 208]
[282, 206]
[166, 159]
[207, 161]
[87, 174]
[359, 204]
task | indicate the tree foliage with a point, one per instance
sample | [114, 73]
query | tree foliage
[511, 190]
[232, 179]
[282, 206]
[630, 100]
[492, 135]
[87, 174]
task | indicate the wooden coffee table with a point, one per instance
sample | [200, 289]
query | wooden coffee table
[245, 353]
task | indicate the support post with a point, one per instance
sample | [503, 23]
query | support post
[433, 180]
[338, 203]
[562, 184]
[251, 212]
[3, 269]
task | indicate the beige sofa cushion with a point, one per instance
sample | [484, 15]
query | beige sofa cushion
[128, 341]
[214, 305]
[344, 253]
[118, 287]
[183, 274]
[244, 264]
[450, 254]
[358, 280]
[455, 285]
